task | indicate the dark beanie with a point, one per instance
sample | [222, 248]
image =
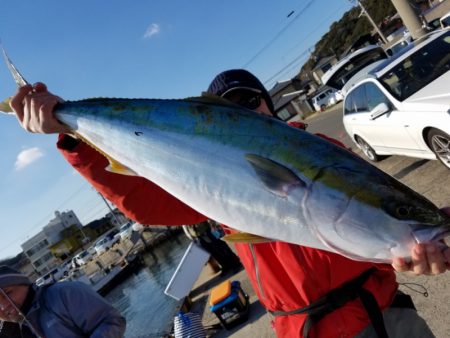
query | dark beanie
[235, 79]
[9, 277]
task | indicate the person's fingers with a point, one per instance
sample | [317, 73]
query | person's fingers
[400, 264]
[26, 114]
[39, 87]
[435, 259]
[48, 122]
[419, 260]
[16, 102]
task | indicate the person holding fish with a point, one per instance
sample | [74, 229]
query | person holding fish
[310, 292]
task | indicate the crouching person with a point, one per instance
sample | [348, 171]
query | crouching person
[65, 309]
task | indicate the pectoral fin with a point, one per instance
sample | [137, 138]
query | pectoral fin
[276, 177]
[243, 237]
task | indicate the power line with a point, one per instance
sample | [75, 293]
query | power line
[315, 29]
[288, 65]
[302, 11]
[41, 221]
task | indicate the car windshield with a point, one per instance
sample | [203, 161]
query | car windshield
[83, 254]
[419, 69]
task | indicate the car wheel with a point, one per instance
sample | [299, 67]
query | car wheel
[439, 143]
[323, 107]
[367, 150]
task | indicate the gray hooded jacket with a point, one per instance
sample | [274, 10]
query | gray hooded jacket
[74, 310]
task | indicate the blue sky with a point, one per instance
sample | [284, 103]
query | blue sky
[152, 49]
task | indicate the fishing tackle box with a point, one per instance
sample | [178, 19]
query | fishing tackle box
[229, 303]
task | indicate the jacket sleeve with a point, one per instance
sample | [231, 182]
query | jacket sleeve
[85, 309]
[137, 197]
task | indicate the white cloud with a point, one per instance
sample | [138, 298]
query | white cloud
[152, 30]
[27, 157]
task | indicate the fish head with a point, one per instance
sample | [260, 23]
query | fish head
[375, 221]
[425, 221]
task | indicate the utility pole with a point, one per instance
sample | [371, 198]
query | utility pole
[110, 209]
[364, 11]
[409, 18]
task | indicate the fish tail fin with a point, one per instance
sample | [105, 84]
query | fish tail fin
[5, 107]
[18, 78]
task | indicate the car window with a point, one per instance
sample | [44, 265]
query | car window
[375, 96]
[349, 107]
[419, 69]
[359, 99]
[445, 22]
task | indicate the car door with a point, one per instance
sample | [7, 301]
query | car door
[357, 120]
[393, 127]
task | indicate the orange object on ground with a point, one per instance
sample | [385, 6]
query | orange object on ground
[220, 292]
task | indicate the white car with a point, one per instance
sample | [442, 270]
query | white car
[83, 257]
[102, 245]
[126, 230]
[445, 20]
[402, 106]
[106, 242]
[325, 98]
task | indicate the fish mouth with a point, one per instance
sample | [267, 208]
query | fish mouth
[424, 233]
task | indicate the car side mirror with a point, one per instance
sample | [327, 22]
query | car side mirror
[379, 110]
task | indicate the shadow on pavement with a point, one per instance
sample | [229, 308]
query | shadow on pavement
[407, 170]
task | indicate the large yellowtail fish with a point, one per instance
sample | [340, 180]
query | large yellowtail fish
[258, 175]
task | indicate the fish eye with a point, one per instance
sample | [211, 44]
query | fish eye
[403, 211]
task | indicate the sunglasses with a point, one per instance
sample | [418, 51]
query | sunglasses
[248, 100]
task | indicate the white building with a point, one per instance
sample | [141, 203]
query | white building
[37, 247]
[61, 221]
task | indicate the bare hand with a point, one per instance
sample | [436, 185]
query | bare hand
[426, 259]
[34, 106]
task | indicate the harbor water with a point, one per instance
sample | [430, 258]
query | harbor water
[140, 297]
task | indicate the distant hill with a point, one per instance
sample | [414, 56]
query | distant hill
[348, 29]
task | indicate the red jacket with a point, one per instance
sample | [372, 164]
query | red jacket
[285, 276]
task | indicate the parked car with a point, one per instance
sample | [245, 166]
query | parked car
[399, 45]
[83, 257]
[106, 242]
[338, 75]
[102, 245]
[126, 230]
[445, 20]
[325, 98]
[401, 106]
[45, 280]
[53, 276]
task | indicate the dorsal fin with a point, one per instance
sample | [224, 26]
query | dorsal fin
[209, 98]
